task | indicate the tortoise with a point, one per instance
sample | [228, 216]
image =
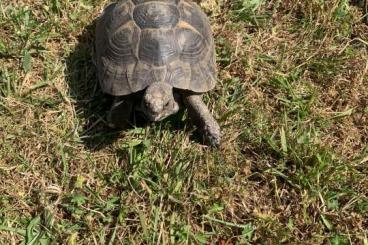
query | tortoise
[156, 57]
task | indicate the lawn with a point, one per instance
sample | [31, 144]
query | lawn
[291, 99]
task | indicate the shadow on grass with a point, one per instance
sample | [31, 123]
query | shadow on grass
[90, 103]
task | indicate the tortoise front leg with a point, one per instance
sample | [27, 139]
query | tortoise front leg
[202, 117]
[120, 113]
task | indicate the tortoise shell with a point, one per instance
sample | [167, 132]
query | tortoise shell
[139, 42]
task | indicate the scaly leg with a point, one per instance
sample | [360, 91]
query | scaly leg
[120, 113]
[202, 117]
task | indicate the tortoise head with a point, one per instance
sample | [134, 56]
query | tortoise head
[159, 102]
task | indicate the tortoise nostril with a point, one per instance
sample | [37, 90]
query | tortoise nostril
[154, 106]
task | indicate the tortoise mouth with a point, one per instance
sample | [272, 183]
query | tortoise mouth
[157, 116]
[148, 113]
[153, 117]
[171, 107]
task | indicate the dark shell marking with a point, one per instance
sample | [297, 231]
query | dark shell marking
[153, 15]
[121, 15]
[192, 45]
[115, 77]
[142, 76]
[120, 49]
[177, 77]
[158, 47]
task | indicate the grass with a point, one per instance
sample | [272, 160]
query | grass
[292, 100]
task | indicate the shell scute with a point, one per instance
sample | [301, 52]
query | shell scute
[192, 45]
[158, 47]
